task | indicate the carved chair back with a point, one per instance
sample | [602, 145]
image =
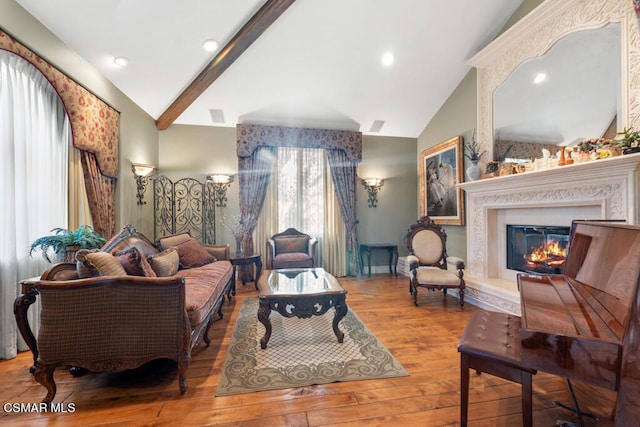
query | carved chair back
[427, 241]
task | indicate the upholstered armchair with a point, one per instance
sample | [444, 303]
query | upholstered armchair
[291, 249]
[430, 266]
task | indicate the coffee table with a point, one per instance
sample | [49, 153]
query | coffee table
[302, 293]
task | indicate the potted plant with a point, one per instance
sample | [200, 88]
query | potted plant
[65, 243]
[628, 140]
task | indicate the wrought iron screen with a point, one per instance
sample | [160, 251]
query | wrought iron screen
[186, 205]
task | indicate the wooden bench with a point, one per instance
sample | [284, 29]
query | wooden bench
[491, 343]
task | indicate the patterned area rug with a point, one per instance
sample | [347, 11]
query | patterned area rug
[301, 352]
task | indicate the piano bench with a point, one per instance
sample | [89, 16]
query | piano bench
[491, 343]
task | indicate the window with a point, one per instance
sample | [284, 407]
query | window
[301, 189]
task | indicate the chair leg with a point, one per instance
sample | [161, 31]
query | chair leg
[415, 296]
[464, 389]
[462, 298]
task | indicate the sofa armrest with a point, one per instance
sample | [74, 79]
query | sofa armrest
[60, 271]
[221, 252]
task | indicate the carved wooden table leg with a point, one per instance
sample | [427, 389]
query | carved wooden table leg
[264, 311]
[20, 310]
[341, 311]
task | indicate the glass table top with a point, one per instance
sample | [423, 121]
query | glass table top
[302, 281]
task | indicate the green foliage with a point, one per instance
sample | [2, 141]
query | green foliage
[85, 237]
[627, 138]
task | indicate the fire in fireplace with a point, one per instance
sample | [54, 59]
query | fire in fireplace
[537, 249]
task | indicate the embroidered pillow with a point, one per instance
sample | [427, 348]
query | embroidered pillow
[134, 263]
[192, 254]
[100, 263]
[165, 263]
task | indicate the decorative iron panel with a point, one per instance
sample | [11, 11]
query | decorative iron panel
[184, 206]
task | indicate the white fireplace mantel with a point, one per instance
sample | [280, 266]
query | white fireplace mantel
[600, 189]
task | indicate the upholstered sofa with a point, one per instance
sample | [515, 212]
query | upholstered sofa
[99, 315]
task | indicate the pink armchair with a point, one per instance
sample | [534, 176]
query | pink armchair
[291, 249]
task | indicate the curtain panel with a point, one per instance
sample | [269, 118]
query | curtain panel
[95, 129]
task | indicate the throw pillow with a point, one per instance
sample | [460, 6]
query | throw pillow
[192, 254]
[166, 242]
[165, 263]
[134, 263]
[100, 263]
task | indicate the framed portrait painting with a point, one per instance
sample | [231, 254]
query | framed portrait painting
[440, 171]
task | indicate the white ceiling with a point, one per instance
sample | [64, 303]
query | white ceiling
[318, 65]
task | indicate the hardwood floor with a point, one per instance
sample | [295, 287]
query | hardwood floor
[423, 339]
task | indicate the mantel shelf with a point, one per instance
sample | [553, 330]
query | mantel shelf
[592, 170]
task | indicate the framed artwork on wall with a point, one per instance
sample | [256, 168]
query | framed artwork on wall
[440, 170]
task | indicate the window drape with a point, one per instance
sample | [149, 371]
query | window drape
[344, 175]
[253, 178]
[345, 152]
[34, 139]
[101, 191]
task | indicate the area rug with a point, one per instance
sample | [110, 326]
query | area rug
[301, 352]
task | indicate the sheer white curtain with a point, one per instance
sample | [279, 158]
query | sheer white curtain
[34, 138]
[301, 192]
[301, 195]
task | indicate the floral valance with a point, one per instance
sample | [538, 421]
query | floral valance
[95, 125]
[252, 136]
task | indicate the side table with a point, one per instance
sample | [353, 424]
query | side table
[244, 259]
[367, 248]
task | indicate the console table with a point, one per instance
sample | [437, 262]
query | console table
[367, 248]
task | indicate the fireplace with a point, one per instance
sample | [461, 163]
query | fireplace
[537, 248]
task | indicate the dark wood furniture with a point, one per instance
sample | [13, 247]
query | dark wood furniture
[291, 249]
[113, 323]
[242, 260]
[585, 324]
[491, 344]
[428, 260]
[300, 293]
[367, 248]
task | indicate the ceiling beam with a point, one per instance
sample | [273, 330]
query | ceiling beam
[244, 38]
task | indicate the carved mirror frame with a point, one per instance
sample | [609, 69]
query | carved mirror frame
[534, 35]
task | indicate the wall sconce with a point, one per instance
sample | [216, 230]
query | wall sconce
[142, 173]
[221, 183]
[373, 185]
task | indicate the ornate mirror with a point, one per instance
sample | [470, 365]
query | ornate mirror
[584, 38]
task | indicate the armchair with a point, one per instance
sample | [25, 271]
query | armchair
[428, 260]
[291, 249]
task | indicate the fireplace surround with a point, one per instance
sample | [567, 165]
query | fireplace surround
[601, 189]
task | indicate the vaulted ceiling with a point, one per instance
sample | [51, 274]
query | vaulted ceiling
[311, 63]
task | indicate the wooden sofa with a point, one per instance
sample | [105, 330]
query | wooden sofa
[113, 323]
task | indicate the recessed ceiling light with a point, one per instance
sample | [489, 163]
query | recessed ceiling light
[540, 78]
[387, 59]
[121, 61]
[210, 45]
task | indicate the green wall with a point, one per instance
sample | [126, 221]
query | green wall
[138, 134]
